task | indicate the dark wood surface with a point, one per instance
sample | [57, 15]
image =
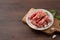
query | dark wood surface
[11, 13]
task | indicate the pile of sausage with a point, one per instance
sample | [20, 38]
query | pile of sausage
[40, 19]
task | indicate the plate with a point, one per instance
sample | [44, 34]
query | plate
[35, 27]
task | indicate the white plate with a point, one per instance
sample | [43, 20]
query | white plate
[33, 26]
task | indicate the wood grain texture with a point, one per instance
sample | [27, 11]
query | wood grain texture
[11, 13]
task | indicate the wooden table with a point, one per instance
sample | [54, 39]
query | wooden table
[11, 13]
